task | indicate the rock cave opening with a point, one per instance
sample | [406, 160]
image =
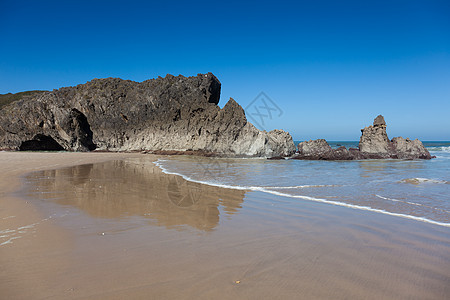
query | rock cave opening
[40, 142]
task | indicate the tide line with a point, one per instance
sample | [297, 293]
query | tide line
[337, 203]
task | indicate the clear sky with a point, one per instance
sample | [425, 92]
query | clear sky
[329, 66]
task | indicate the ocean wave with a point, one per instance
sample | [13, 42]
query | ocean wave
[417, 181]
[396, 200]
[268, 190]
[412, 203]
[300, 186]
[439, 148]
[164, 170]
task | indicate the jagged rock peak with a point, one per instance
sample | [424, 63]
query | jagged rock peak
[379, 121]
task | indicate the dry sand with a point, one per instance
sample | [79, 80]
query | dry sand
[114, 227]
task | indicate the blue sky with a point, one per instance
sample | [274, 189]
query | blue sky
[330, 66]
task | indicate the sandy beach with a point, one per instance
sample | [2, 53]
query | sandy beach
[34, 248]
[114, 226]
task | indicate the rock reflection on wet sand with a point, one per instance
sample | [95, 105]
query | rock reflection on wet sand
[135, 187]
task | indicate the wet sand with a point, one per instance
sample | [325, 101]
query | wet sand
[114, 226]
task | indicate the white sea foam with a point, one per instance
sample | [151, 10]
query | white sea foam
[199, 181]
[412, 203]
[13, 234]
[320, 200]
[442, 157]
[423, 180]
[300, 186]
[396, 200]
[9, 241]
[256, 188]
[441, 148]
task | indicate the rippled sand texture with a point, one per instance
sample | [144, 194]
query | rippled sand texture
[123, 229]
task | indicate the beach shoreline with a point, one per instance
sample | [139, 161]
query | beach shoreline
[270, 247]
[25, 273]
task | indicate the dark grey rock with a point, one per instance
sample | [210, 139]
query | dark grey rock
[315, 150]
[320, 150]
[374, 140]
[342, 153]
[407, 149]
[374, 144]
[379, 121]
[174, 113]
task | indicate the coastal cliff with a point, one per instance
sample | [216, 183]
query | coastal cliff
[373, 144]
[174, 113]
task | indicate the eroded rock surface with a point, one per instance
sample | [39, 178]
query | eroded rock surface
[320, 150]
[174, 113]
[374, 139]
[374, 144]
[407, 149]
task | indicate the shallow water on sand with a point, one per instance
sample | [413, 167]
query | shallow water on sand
[415, 189]
[120, 189]
[140, 232]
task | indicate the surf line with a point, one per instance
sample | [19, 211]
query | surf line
[265, 190]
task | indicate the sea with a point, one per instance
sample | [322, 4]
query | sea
[413, 189]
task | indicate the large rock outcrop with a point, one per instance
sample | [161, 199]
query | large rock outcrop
[374, 139]
[374, 144]
[407, 149]
[174, 113]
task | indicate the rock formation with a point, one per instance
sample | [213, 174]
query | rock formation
[407, 149]
[374, 140]
[320, 150]
[373, 144]
[174, 113]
